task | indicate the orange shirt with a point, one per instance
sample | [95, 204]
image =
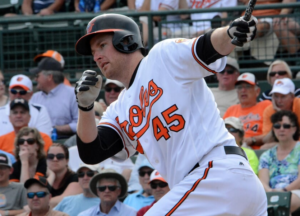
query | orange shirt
[269, 111]
[7, 142]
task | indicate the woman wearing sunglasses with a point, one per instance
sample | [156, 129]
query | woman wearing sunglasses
[279, 167]
[3, 97]
[277, 70]
[65, 181]
[30, 155]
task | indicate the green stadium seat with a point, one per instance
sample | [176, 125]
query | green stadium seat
[279, 203]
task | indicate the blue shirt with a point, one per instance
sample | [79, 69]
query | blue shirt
[61, 105]
[138, 201]
[119, 209]
[38, 5]
[73, 205]
[11, 157]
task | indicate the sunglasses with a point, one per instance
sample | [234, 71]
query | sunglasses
[281, 73]
[160, 184]
[228, 71]
[88, 173]
[116, 89]
[143, 173]
[30, 141]
[110, 188]
[39, 194]
[58, 156]
[232, 130]
[21, 92]
[285, 126]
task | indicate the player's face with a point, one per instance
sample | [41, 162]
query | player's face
[108, 196]
[19, 117]
[228, 77]
[84, 180]
[36, 203]
[144, 178]
[108, 59]
[5, 171]
[284, 134]
[112, 92]
[277, 68]
[247, 93]
[284, 102]
[158, 192]
[16, 94]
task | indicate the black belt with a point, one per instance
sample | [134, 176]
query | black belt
[229, 150]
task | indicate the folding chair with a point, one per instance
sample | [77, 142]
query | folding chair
[279, 203]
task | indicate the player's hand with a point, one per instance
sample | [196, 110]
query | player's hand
[243, 30]
[87, 89]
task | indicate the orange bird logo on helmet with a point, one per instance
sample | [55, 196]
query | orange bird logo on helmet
[89, 28]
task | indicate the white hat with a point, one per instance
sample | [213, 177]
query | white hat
[283, 86]
[22, 81]
[156, 176]
[116, 82]
[234, 122]
[248, 78]
[233, 63]
[89, 166]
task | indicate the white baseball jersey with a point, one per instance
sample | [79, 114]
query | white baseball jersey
[168, 113]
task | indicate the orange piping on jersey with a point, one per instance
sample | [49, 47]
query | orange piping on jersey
[139, 147]
[106, 123]
[210, 165]
[14, 180]
[197, 60]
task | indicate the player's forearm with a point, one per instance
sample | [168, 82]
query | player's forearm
[221, 41]
[86, 128]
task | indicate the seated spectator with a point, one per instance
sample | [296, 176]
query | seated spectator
[19, 117]
[30, 154]
[225, 94]
[143, 197]
[283, 98]
[109, 186]
[20, 86]
[279, 166]
[235, 127]
[3, 97]
[249, 111]
[277, 70]
[73, 205]
[112, 90]
[38, 198]
[159, 188]
[13, 195]
[65, 182]
[58, 98]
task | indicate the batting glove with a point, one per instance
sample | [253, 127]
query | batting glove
[87, 89]
[243, 30]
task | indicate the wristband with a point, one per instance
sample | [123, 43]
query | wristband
[86, 109]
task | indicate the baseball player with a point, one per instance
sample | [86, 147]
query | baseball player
[167, 113]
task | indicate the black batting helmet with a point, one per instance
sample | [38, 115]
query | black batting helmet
[122, 27]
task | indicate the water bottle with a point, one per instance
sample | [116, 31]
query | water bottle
[54, 134]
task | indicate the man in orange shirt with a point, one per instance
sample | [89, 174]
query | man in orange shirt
[249, 111]
[19, 117]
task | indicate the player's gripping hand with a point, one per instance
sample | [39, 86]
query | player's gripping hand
[87, 89]
[243, 30]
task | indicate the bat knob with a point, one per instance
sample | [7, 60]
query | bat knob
[234, 41]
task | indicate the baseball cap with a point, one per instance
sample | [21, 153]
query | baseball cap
[46, 64]
[116, 82]
[248, 78]
[40, 180]
[22, 81]
[19, 102]
[4, 160]
[89, 166]
[145, 163]
[156, 176]
[283, 86]
[233, 63]
[234, 122]
[51, 54]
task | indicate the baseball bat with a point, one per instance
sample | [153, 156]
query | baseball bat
[246, 17]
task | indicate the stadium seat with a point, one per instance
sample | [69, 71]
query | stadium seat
[259, 152]
[279, 203]
[9, 6]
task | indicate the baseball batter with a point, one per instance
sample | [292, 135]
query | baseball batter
[168, 113]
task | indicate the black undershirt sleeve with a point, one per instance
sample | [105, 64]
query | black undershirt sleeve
[106, 145]
[205, 50]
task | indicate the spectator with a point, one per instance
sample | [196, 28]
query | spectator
[283, 98]
[112, 90]
[59, 99]
[108, 185]
[279, 166]
[143, 197]
[19, 117]
[13, 195]
[235, 127]
[93, 5]
[65, 182]
[30, 154]
[38, 198]
[277, 70]
[159, 188]
[20, 86]
[249, 111]
[73, 205]
[225, 95]
[3, 97]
